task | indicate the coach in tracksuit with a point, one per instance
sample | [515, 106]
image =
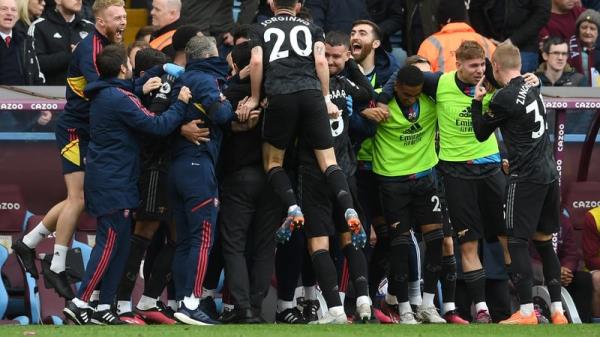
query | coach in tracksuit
[193, 194]
[111, 176]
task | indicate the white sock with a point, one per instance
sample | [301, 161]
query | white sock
[102, 307]
[172, 304]
[481, 306]
[428, 299]
[95, 296]
[390, 299]
[146, 303]
[284, 305]
[526, 309]
[310, 293]
[414, 293]
[59, 258]
[208, 293]
[337, 311]
[37, 234]
[191, 302]
[363, 300]
[123, 307]
[404, 307]
[291, 208]
[556, 306]
[449, 307]
[79, 303]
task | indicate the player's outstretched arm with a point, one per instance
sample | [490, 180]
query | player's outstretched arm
[321, 66]
[256, 77]
[484, 124]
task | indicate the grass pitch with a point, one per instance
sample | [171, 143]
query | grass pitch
[270, 330]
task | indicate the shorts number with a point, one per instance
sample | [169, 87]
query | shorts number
[535, 107]
[436, 200]
[277, 54]
[337, 126]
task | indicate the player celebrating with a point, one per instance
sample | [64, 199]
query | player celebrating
[296, 80]
[533, 197]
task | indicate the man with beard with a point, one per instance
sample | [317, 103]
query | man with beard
[378, 65]
[116, 114]
[72, 137]
[56, 34]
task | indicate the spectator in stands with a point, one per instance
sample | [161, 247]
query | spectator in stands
[145, 33]
[56, 34]
[584, 54]
[439, 48]
[389, 16]
[419, 22]
[166, 18]
[337, 14]
[29, 11]
[577, 283]
[555, 71]
[591, 256]
[19, 64]
[132, 51]
[216, 17]
[86, 8]
[521, 23]
[562, 20]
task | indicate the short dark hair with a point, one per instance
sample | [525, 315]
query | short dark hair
[453, 11]
[183, 35]
[305, 14]
[410, 75]
[376, 30]
[242, 31]
[285, 3]
[240, 54]
[148, 58]
[411, 60]
[337, 38]
[110, 60]
[552, 41]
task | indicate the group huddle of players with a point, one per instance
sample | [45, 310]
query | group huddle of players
[305, 132]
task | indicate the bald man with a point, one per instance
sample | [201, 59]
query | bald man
[165, 17]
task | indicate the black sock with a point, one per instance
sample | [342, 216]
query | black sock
[161, 271]
[399, 247]
[132, 267]
[357, 264]
[448, 278]
[326, 277]
[338, 184]
[475, 281]
[551, 266]
[433, 259]
[522, 276]
[379, 261]
[288, 265]
[280, 182]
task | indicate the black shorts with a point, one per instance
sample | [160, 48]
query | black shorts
[532, 208]
[72, 142]
[476, 206]
[409, 203]
[303, 114]
[322, 216]
[154, 192]
[446, 223]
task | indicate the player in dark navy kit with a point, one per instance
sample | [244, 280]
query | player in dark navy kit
[347, 84]
[296, 84]
[533, 196]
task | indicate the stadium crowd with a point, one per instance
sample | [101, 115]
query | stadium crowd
[304, 145]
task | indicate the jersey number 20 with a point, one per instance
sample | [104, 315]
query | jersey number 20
[277, 53]
[535, 107]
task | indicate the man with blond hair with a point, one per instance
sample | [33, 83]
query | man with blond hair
[533, 197]
[72, 137]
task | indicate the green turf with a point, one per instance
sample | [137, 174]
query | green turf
[578, 330]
